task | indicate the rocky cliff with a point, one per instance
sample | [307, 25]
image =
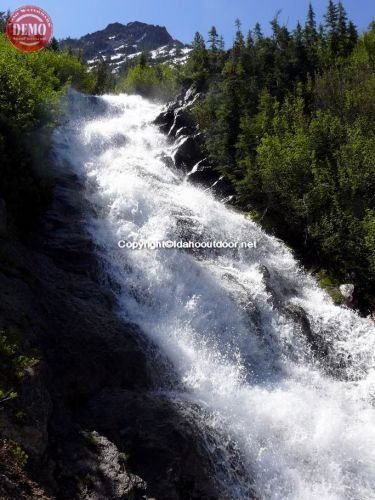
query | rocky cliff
[90, 414]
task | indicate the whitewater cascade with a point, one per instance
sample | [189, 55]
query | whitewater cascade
[283, 376]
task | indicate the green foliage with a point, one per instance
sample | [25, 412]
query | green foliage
[331, 286]
[104, 78]
[285, 158]
[13, 367]
[31, 86]
[289, 119]
[197, 65]
[159, 81]
[12, 456]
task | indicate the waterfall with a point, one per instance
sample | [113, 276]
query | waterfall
[283, 376]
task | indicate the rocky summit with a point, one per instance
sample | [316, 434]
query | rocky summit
[118, 44]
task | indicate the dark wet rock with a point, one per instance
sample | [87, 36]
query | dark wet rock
[165, 120]
[178, 122]
[319, 342]
[95, 469]
[222, 187]
[3, 216]
[31, 429]
[189, 152]
[177, 115]
[164, 449]
[168, 160]
[202, 173]
[52, 295]
[182, 132]
[183, 119]
[300, 317]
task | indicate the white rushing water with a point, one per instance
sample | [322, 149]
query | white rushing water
[234, 323]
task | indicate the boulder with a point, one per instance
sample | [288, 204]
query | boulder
[347, 291]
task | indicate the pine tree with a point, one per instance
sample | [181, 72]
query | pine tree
[222, 53]
[258, 35]
[342, 20]
[54, 45]
[221, 44]
[342, 29]
[142, 60]
[197, 65]
[300, 55]
[239, 43]
[331, 18]
[352, 37]
[310, 31]
[275, 25]
[104, 77]
[213, 39]
[249, 40]
[311, 41]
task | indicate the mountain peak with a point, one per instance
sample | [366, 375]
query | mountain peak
[118, 43]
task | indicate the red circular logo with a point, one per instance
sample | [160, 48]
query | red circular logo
[29, 28]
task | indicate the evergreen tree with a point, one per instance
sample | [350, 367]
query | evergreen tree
[331, 18]
[258, 35]
[352, 37]
[54, 45]
[214, 56]
[342, 20]
[250, 40]
[239, 43]
[342, 29]
[142, 60]
[310, 26]
[197, 65]
[301, 66]
[213, 39]
[311, 37]
[104, 78]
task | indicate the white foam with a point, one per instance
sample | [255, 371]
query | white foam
[303, 433]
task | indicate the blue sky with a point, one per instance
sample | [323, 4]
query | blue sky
[184, 18]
